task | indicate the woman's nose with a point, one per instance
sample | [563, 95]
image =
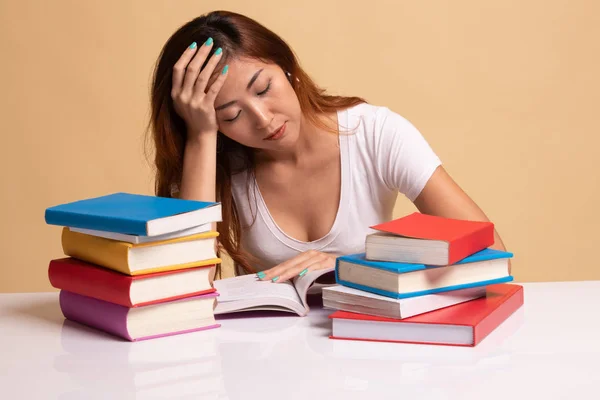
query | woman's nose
[263, 116]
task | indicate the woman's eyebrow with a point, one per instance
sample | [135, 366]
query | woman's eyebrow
[254, 78]
[225, 105]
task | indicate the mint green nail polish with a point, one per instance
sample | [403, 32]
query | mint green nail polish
[303, 272]
[208, 41]
[225, 69]
[193, 45]
[274, 279]
[219, 51]
[260, 274]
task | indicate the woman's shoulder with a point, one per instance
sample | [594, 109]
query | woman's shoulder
[366, 110]
[374, 122]
[401, 157]
[372, 117]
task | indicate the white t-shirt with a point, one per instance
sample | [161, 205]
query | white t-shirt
[384, 155]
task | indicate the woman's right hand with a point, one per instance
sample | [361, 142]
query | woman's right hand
[193, 101]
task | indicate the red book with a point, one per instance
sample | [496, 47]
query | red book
[427, 239]
[465, 324]
[90, 280]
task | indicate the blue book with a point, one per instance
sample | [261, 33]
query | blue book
[134, 214]
[403, 280]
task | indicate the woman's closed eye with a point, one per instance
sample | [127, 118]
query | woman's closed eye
[234, 118]
[265, 90]
[261, 93]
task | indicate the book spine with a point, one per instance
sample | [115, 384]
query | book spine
[91, 281]
[96, 250]
[499, 315]
[470, 244]
[99, 223]
[102, 315]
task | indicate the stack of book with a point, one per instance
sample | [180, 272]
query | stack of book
[136, 266]
[423, 279]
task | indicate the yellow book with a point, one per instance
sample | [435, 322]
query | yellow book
[143, 258]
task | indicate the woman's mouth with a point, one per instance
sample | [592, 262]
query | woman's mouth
[277, 134]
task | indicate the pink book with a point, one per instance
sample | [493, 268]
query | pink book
[141, 323]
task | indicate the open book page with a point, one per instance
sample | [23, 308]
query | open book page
[304, 283]
[247, 292]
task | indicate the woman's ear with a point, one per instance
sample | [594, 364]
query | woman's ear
[289, 75]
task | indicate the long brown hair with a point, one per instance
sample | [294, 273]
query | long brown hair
[238, 36]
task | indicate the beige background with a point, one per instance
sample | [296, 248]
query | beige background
[507, 95]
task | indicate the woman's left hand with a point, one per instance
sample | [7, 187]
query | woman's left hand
[311, 260]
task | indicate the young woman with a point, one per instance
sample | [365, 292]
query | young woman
[301, 174]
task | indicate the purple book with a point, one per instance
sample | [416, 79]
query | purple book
[141, 323]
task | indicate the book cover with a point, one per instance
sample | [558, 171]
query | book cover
[113, 254]
[121, 212]
[463, 237]
[109, 317]
[83, 278]
[482, 315]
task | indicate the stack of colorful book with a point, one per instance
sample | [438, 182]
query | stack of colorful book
[136, 266]
[423, 279]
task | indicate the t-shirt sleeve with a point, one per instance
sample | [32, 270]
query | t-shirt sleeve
[404, 159]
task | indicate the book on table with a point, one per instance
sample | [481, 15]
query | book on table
[465, 324]
[168, 318]
[248, 293]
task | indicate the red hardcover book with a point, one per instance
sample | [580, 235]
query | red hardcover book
[90, 280]
[428, 239]
[465, 324]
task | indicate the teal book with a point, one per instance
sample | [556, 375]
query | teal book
[403, 280]
[134, 214]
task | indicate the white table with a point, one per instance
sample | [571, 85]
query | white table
[548, 350]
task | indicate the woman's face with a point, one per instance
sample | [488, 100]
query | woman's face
[257, 106]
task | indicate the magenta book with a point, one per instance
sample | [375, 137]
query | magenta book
[141, 323]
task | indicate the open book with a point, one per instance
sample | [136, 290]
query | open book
[248, 293]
